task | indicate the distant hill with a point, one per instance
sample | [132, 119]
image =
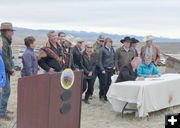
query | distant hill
[41, 35]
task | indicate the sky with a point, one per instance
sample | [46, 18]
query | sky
[132, 17]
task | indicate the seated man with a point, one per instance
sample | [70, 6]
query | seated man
[129, 72]
[148, 69]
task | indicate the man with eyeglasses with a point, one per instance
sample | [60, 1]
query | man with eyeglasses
[96, 47]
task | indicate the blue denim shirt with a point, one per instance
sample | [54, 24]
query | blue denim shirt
[146, 70]
[2, 71]
[30, 64]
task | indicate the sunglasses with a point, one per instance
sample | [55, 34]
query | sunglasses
[101, 40]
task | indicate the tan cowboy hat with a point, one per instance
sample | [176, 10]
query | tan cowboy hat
[148, 38]
[69, 38]
[6, 26]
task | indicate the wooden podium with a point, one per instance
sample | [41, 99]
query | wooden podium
[44, 103]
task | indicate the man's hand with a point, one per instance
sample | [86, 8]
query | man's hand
[150, 76]
[51, 70]
[141, 78]
[104, 72]
[117, 72]
[90, 74]
[0, 90]
[13, 72]
[156, 76]
[155, 63]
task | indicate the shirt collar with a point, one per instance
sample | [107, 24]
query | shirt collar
[108, 48]
[134, 70]
[126, 49]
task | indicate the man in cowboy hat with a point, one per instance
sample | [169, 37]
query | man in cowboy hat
[150, 49]
[67, 49]
[7, 32]
[134, 42]
[124, 54]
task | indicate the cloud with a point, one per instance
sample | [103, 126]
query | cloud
[139, 16]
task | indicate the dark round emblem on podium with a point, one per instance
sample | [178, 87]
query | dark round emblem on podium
[66, 95]
[66, 107]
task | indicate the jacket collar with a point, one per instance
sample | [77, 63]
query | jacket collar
[85, 54]
[49, 45]
[107, 48]
[31, 49]
[0, 52]
[98, 44]
[151, 46]
[146, 64]
[9, 40]
[122, 49]
[79, 49]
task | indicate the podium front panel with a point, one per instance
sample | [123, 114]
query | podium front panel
[72, 118]
[33, 94]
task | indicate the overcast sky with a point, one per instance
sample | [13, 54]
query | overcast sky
[137, 17]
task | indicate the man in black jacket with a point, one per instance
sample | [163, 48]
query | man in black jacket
[129, 72]
[107, 64]
[51, 57]
[77, 55]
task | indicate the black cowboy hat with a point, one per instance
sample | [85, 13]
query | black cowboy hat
[134, 40]
[126, 39]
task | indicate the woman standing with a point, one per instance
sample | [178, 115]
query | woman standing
[107, 66]
[29, 58]
[88, 63]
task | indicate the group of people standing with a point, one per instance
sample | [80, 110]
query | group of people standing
[64, 51]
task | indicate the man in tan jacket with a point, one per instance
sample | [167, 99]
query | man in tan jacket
[124, 54]
[150, 50]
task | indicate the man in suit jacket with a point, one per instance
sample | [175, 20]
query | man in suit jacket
[129, 72]
[150, 49]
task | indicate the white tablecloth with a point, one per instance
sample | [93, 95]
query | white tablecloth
[147, 96]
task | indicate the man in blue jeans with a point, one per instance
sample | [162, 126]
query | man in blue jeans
[99, 43]
[6, 35]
